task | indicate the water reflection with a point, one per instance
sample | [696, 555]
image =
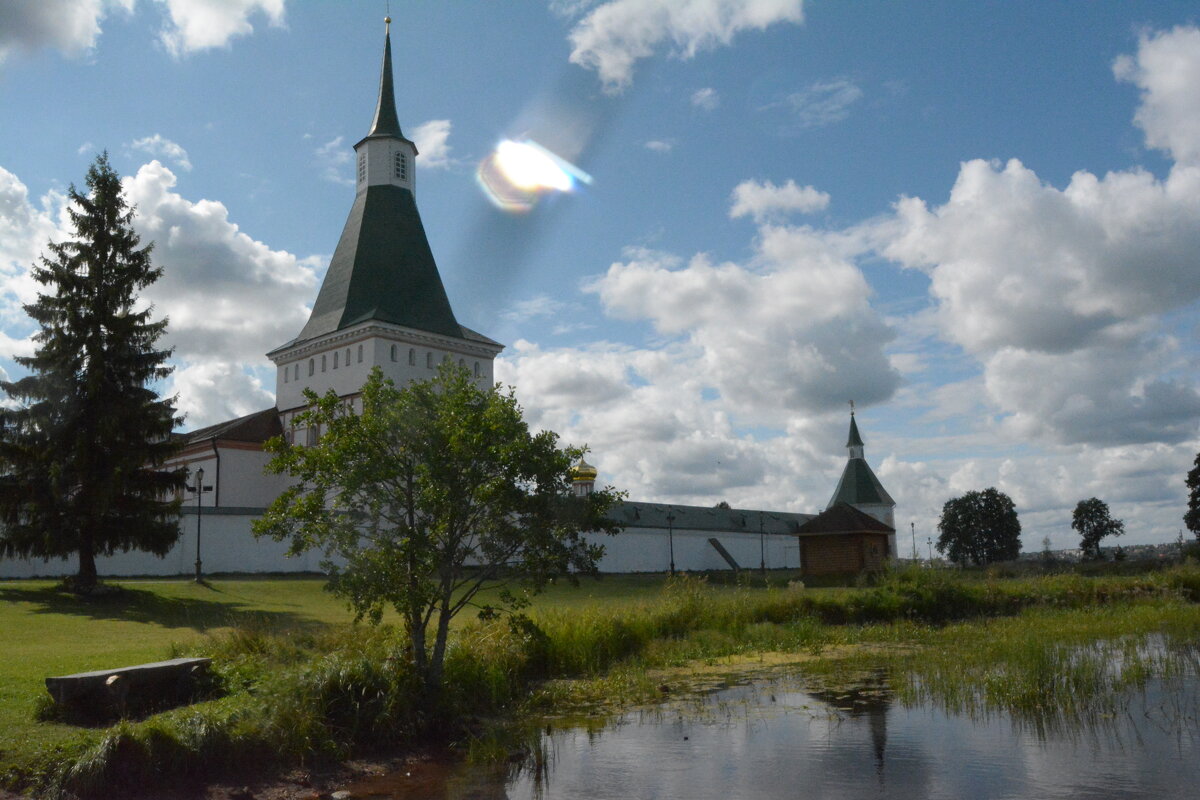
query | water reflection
[784, 739]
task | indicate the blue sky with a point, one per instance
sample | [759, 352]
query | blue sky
[980, 221]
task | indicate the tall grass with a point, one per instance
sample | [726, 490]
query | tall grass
[295, 697]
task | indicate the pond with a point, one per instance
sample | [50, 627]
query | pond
[788, 737]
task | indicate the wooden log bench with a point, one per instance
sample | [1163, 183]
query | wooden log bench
[142, 686]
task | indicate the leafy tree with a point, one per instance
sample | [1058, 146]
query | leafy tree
[1093, 522]
[1192, 518]
[429, 496]
[81, 454]
[979, 528]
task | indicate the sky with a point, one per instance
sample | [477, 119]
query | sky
[978, 221]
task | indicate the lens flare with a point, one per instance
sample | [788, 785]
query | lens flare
[516, 174]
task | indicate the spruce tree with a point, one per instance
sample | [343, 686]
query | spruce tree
[81, 454]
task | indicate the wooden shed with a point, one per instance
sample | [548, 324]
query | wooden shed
[843, 540]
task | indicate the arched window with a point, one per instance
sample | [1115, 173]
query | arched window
[335, 358]
[462, 364]
[360, 354]
[429, 360]
[285, 374]
[412, 356]
[322, 362]
[393, 352]
[312, 365]
[476, 369]
[296, 372]
[347, 356]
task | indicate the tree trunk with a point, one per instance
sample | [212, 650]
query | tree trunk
[439, 644]
[85, 579]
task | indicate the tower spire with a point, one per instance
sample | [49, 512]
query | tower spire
[386, 123]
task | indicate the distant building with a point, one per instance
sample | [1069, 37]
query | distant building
[382, 304]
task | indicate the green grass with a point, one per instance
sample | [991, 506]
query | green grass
[304, 684]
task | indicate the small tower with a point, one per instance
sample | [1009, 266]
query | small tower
[583, 478]
[860, 488]
[384, 156]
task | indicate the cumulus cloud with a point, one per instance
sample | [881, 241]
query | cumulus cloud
[1167, 71]
[229, 298]
[70, 26]
[660, 145]
[196, 25]
[158, 145]
[617, 34]
[765, 201]
[1058, 293]
[707, 98]
[432, 141]
[822, 103]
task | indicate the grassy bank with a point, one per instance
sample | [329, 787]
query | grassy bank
[300, 685]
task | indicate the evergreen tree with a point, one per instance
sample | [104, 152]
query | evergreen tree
[1192, 518]
[82, 454]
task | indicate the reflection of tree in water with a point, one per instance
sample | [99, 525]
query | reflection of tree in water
[864, 695]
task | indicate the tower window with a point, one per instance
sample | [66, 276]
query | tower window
[360, 354]
[322, 362]
[347, 356]
[476, 369]
[285, 374]
[393, 352]
[312, 365]
[401, 166]
[462, 364]
[362, 167]
[412, 356]
[335, 358]
[429, 360]
[296, 372]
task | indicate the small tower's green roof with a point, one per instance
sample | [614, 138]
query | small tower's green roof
[859, 486]
[855, 440]
[386, 122]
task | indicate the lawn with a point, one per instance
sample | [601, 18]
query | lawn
[47, 632]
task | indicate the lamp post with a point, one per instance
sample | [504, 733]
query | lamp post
[199, 512]
[762, 546]
[913, 526]
[199, 489]
[671, 538]
[929, 541]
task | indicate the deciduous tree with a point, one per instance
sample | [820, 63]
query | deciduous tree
[81, 454]
[1093, 522]
[431, 498]
[979, 528]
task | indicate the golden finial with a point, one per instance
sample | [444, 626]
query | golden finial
[387, 20]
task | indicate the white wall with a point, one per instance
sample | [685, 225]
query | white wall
[228, 546]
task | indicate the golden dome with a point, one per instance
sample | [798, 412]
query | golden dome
[583, 471]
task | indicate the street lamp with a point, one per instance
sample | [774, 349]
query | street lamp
[200, 489]
[762, 546]
[671, 538]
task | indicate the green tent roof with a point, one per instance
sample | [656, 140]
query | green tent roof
[859, 486]
[855, 440]
[383, 270]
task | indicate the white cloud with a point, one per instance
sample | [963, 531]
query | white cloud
[542, 305]
[70, 26]
[157, 145]
[1167, 70]
[822, 103]
[230, 298]
[617, 34]
[766, 201]
[707, 98]
[205, 24]
[85, 149]
[1062, 295]
[334, 158]
[660, 145]
[432, 141]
